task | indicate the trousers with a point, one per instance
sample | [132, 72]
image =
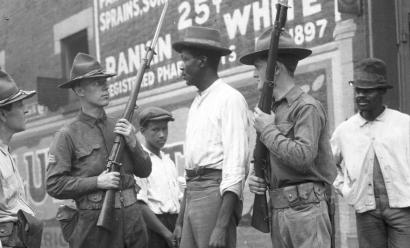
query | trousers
[156, 240]
[384, 227]
[303, 226]
[128, 225]
[203, 202]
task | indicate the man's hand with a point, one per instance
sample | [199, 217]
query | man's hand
[176, 236]
[218, 238]
[169, 237]
[127, 130]
[108, 180]
[262, 119]
[256, 185]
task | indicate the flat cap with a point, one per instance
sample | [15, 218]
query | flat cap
[154, 114]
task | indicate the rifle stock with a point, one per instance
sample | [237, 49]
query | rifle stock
[113, 164]
[260, 216]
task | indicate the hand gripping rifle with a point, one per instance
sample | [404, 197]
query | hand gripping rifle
[260, 216]
[113, 164]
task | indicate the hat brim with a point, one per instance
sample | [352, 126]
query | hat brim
[179, 45]
[19, 96]
[361, 85]
[70, 84]
[158, 118]
[297, 53]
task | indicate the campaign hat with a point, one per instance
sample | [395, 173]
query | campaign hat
[9, 92]
[370, 73]
[286, 47]
[85, 67]
[203, 38]
[153, 113]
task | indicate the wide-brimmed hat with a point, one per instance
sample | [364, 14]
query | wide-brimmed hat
[202, 37]
[9, 92]
[154, 114]
[85, 67]
[286, 46]
[370, 73]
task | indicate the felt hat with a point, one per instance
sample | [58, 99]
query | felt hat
[9, 92]
[154, 114]
[202, 37]
[286, 46]
[85, 67]
[370, 73]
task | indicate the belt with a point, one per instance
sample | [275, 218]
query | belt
[123, 198]
[291, 196]
[200, 171]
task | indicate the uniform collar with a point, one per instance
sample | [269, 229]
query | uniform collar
[91, 121]
[292, 95]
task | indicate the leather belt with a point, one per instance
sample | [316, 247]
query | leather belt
[123, 198]
[291, 196]
[200, 171]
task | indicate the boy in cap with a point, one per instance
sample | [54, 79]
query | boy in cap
[12, 193]
[159, 192]
[371, 150]
[77, 164]
[216, 146]
[296, 136]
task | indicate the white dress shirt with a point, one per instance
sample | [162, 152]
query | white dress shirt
[217, 135]
[356, 142]
[12, 193]
[160, 191]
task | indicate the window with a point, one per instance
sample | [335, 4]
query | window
[70, 46]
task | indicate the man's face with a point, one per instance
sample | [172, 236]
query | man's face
[14, 118]
[369, 99]
[190, 69]
[156, 133]
[260, 72]
[94, 91]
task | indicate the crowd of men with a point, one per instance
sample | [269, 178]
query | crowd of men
[367, 159]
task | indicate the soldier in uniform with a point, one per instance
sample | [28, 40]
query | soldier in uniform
[12, 193]
[296, 135]
[77, 164]
[216, 145]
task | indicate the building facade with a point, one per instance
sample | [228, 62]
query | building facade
[39, 40]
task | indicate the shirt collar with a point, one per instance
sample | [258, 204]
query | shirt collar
[91, 121]
[381, 117]
[151, 154]
[211, 88]
[292, 95]
[4, 148]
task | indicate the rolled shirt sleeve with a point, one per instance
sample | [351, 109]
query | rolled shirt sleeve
[235, 139]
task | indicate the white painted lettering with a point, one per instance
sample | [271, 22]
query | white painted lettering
[261, 12]
[311, 7]
[237, 21]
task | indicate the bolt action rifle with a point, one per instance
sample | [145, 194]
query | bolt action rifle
[260, 216]
[113, 164]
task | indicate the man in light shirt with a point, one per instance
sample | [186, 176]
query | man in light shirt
[372, 152]
[216, 146]
[159, 192]
[12, 193]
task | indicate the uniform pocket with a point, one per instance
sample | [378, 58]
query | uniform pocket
[85, 151]
[285, 128]
[68, 218]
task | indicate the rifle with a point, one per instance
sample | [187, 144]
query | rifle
[113, 164]
[260, 216]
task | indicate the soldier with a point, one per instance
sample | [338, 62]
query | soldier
[160, 191]
[12, 193]
[77, 164]
[296, 136]
[216, 145]
[372, 153]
